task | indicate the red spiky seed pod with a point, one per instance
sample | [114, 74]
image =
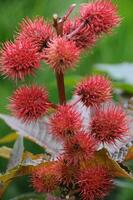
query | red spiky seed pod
[37, 31]
[65, 122]
[80, 148]
[68, 172]
[29, 103]
[19, 59]
[95, 183]
[45, 178]
[84, 39]
[101, 16]
[109, 125]
[94, 90]
[61, 54]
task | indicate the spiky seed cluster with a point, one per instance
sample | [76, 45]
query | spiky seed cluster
[45, 178]
[36, 41]
[19, 59]
[80, 148]
[29, 103]
[61, 54]
[68, 172]
[95, 183]
[37, 31]
[101, 16]
[109, 125]
[65, 122]
[84, 39]
[94, 90]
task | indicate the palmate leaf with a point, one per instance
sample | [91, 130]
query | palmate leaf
[31, 162]
[102, 157]
[129, 155]
[16, 154]
[28, 164]
[38, 132]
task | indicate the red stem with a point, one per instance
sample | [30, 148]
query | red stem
[76, 30]
[58, 25]
[82, 25]
[69, 11]
[61, 88]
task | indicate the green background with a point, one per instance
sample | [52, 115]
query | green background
[116, 48]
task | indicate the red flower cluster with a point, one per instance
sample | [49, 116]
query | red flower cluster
[45, 179]
[79, 148]
[109, 124]
[37, 41]
[29, 103]
[94, 183]
[67, 172]
[84, 38]
[22, 57]
[101, 15]
[95, 18]
[19, 59]
[65, 122]
[61, 54]
[37, 31]
[94, 90]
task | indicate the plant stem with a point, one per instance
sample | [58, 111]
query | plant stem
[58, 24]
[69, 11]
[61, 88]
[82, 25]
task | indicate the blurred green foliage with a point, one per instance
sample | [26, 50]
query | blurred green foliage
[111, 49]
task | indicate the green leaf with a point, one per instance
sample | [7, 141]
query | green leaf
[29, 163]
[5, 152]
[29, 196]
[38, 132]
[9, 138]
[102, 157]
[124, 86]
[123, 183]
